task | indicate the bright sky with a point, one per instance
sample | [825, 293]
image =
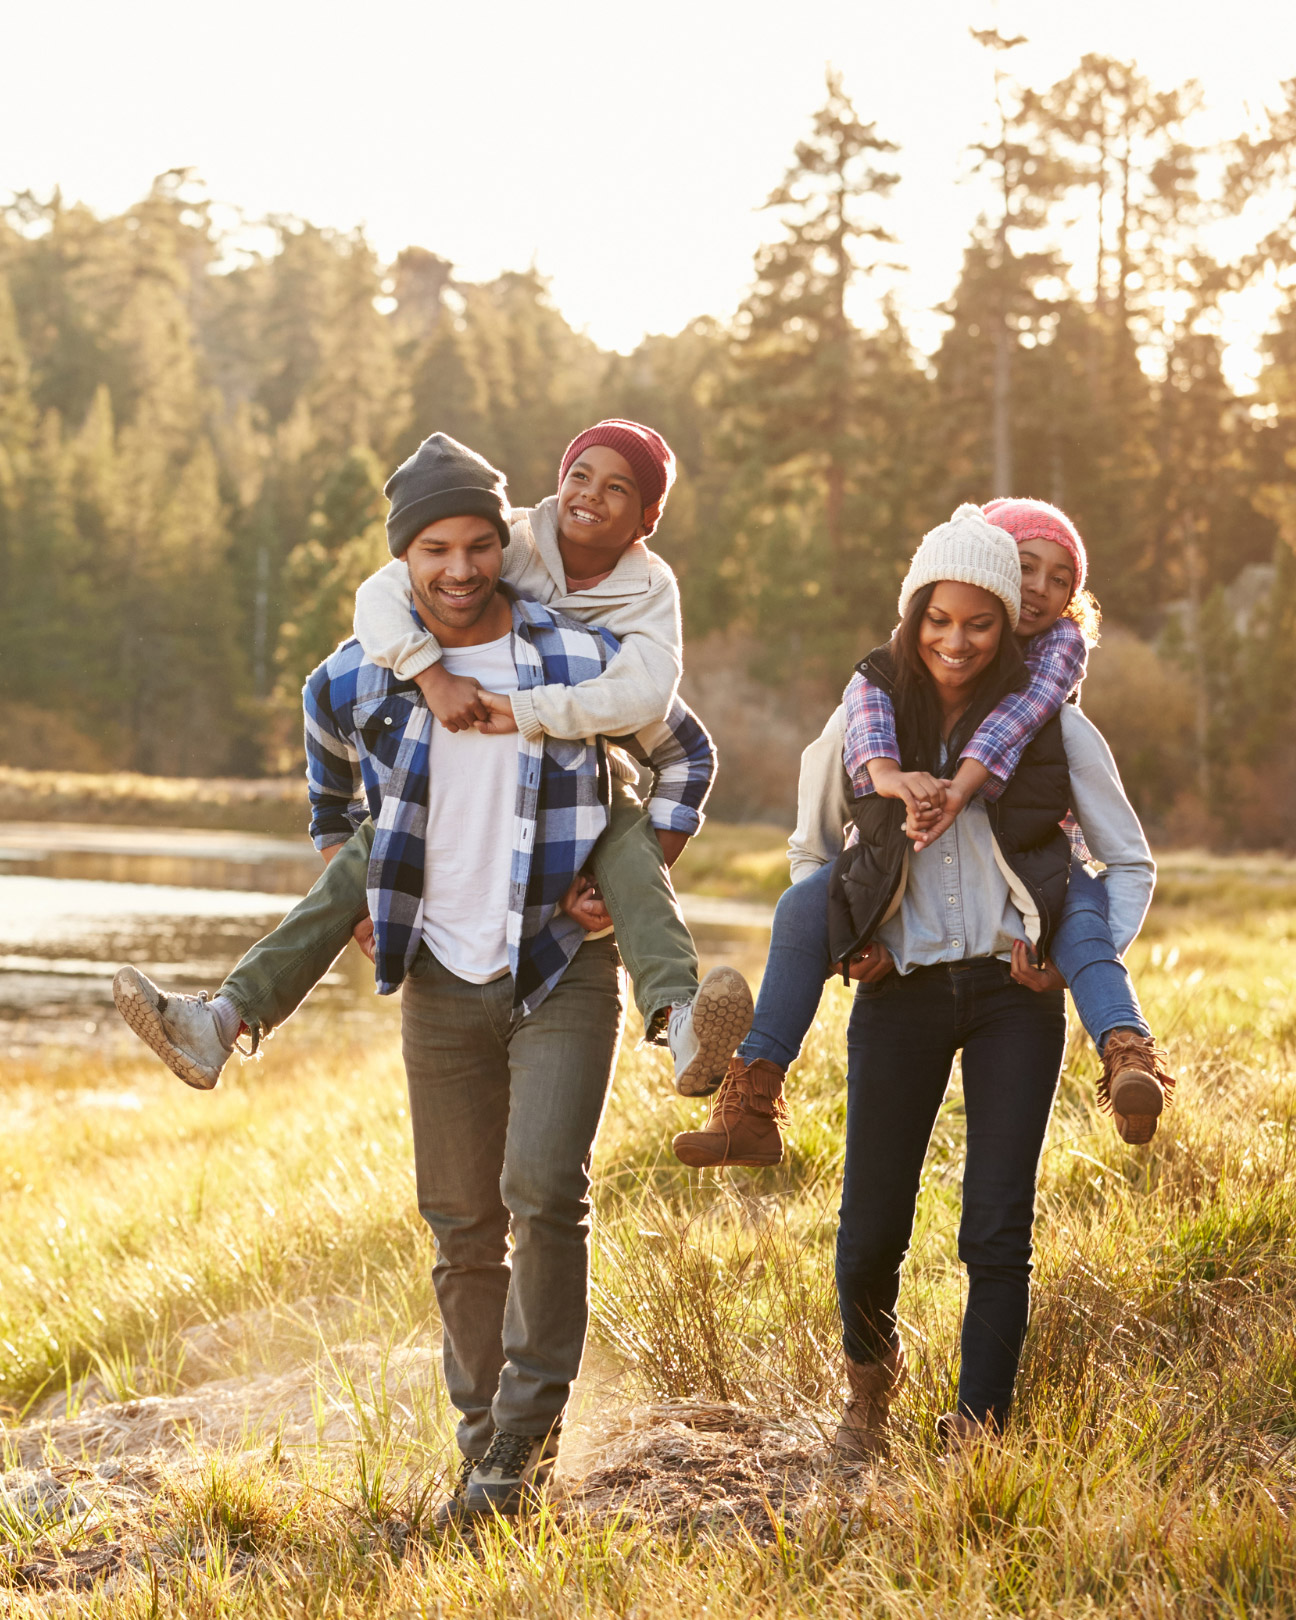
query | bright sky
[622, 149]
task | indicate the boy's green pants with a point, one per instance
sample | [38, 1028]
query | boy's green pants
[281, 970]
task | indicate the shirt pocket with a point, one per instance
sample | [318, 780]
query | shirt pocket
[381, 725]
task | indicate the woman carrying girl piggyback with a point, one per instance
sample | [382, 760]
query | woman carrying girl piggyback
[1101, 915]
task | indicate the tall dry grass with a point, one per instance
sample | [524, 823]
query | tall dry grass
[1150, 1468]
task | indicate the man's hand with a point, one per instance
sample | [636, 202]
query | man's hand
[454, 699]
[363, 934]
[1034, 978]
[584, 902]
[874, 962]
[672, 845]
[501, 720]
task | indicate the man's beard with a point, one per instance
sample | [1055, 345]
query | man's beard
[429, 602]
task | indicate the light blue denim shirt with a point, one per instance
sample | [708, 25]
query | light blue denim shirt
[956, 902]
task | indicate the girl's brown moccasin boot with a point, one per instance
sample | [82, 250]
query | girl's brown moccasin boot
[1135, 1084]
[743, 1126]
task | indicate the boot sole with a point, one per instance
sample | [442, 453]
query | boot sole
[1137, 1101]
[722, 1017]
[1137, 1130]
[704, 1161]
[140, 1012]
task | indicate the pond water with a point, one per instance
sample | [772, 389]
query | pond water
[76, 902]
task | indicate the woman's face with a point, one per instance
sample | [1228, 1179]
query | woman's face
[959, 636]
[1048, 580]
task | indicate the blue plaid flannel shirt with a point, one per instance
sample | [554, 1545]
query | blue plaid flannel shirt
[367, 746]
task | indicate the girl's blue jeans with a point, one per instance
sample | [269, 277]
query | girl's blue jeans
[798, 965]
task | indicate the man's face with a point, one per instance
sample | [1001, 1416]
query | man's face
[454, 568]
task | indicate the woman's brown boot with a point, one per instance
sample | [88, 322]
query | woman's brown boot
[862, 1433]
[743, 1126]
[1135, 1086]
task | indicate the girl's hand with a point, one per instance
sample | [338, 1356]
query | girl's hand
[921, 792]
[501, 720]
[874, 962]
[584, 902]
[1034, 978]
[927, 830]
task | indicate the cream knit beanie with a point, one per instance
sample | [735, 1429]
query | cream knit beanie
[972, 551]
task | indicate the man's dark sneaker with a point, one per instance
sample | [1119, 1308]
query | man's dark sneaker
[184, 1031]
[512, 1474]
[451, 1512]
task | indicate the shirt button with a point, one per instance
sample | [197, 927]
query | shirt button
[949, 899]
[949, 860]
[957, 944]
[387, 720]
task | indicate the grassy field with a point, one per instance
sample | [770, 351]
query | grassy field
[217, 1332]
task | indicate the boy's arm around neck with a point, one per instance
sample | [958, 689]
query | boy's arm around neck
[638, 687]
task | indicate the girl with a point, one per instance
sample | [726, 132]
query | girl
[1102, 915]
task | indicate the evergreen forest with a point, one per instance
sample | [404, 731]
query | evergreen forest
[195, 431]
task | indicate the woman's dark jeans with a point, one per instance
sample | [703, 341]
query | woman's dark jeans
[902, 1037]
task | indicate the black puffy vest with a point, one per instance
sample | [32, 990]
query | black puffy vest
[1024, 820]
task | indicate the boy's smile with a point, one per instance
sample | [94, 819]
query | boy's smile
[600, 511]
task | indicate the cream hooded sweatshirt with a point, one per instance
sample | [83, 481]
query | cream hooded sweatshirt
[638, 602]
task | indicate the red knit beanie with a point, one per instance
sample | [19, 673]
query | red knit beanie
[652, 461]
[1037, 520]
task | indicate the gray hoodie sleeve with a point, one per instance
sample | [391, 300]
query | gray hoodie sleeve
[823, 809]
[1111, 829]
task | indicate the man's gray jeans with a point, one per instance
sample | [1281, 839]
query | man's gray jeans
[505, 1114]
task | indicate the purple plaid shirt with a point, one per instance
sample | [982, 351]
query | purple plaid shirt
[1056, 661]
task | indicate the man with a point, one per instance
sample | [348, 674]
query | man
[510, 1016]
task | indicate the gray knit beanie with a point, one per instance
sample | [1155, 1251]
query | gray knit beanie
[972, 551]
[442, 479]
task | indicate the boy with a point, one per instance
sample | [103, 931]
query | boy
[581, 552]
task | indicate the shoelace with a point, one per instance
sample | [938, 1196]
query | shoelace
[508, 1453]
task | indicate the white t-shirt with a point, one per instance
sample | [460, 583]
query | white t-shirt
[472, 795]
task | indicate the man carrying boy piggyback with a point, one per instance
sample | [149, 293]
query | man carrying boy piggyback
[511, 1013]
[473, 854]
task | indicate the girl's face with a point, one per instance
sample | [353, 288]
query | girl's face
[599, 505]
[1048, 583]
[959, 636]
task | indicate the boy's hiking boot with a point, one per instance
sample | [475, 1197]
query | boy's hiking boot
[743, 1126]
[1134, 1086]
[184, 1031]
[862, 1433]
[705, 1032]
[451, 1512]
[512, 1474]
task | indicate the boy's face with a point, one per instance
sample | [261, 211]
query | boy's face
[1048, 580]
[454, 568]
[599, 505]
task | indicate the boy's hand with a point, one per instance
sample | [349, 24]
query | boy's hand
[454, 699]
[501, 720]
[1034, 978]
[874, 962]
[584, 902]
[672, 845]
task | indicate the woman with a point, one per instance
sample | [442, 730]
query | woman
[936, 929]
